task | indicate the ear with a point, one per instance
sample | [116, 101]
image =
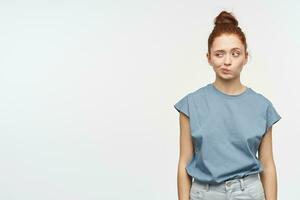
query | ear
[208, 58]
[246, 59]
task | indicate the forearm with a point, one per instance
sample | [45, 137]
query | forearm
[269, 180]
[184, 182]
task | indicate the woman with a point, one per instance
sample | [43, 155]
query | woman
[222, 126]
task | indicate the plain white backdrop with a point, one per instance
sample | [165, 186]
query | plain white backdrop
[88, 88]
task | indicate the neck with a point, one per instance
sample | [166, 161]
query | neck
[231, 87]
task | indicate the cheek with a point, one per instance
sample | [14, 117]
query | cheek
[217, 62]
[238, 66]
[240, 63]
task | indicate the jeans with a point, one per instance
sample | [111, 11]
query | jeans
[247, 188]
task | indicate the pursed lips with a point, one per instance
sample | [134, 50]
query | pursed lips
[225, 70]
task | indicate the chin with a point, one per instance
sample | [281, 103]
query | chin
[226, 76]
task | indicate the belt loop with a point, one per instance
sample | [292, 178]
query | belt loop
[242, 183]
[207, 187]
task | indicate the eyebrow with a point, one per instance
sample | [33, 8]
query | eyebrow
[235, 48]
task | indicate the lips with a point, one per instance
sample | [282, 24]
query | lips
[225, 71]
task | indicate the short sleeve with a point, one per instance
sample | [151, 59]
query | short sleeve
[272, 116]
[183, 105]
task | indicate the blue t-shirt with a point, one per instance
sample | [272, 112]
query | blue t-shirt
[226, 132]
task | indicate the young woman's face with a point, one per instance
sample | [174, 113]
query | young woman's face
[227, 56]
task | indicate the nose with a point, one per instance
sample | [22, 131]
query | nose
[227, 60]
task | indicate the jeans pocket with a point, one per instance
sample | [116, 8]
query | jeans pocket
[196, 193]
[256, 190]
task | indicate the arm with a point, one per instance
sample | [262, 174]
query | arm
[186, 153]
[268, 175]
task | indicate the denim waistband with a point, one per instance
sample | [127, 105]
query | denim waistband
[229, 184]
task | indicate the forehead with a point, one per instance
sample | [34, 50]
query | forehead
[227, 42]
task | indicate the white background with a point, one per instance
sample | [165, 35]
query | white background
[88, 88]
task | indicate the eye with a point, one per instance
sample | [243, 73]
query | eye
[218, 54]
[236, 54]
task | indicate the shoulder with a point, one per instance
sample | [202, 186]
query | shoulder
[194, 93]
[260, 97]
[198, 93]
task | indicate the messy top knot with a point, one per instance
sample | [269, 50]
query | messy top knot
[226, 23]
[226, 18]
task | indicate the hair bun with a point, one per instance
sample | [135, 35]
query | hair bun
[226, 18]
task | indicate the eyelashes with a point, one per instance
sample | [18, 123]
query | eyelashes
[235, 54]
